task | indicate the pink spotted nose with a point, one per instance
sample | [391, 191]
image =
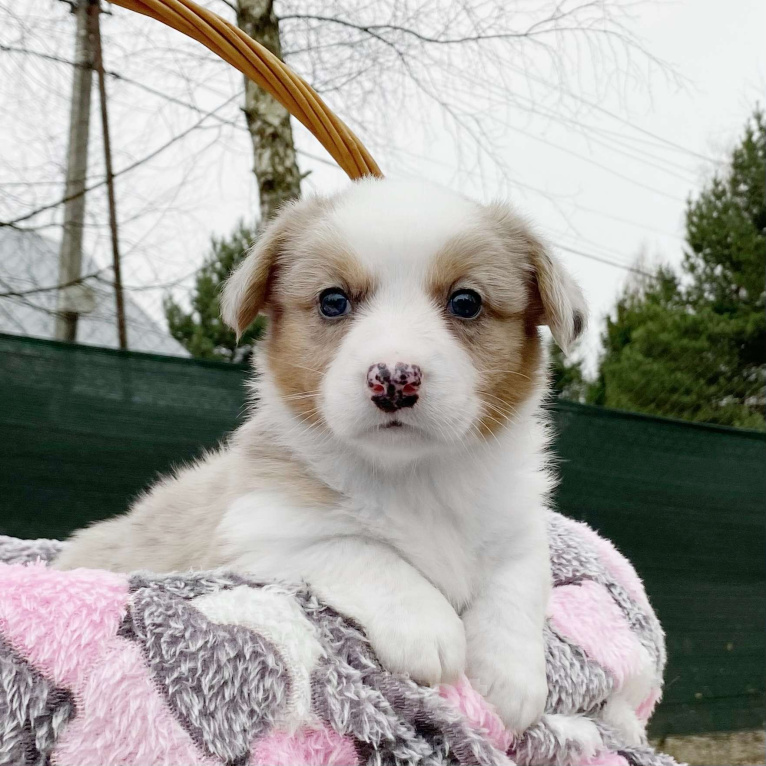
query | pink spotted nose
[392, 390]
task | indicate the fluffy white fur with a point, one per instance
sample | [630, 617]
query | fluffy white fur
[431, 535]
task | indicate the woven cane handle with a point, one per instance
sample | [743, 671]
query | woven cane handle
[263, 67]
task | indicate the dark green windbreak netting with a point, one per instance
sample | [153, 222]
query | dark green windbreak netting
[83, 430]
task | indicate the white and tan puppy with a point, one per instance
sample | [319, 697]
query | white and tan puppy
[396, 456]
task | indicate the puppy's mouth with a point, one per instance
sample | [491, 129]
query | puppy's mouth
[397, 427]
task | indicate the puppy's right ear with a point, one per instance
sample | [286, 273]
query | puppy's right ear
[246, 292]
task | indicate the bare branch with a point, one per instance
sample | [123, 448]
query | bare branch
[120, 172]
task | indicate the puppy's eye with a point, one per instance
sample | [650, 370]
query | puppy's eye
[465, 304]
[334, 303]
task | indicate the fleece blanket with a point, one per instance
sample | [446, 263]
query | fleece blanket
[216, 668]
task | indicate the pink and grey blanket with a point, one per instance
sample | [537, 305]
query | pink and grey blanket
[215, 668]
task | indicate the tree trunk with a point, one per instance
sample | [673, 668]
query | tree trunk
[275, 166]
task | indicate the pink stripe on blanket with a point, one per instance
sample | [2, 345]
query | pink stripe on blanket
[307, 747]
[122, 720]
[478, 713]
[59, 621]
[587, 615]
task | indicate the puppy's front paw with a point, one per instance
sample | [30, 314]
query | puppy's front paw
[424, 640]
[511, 676]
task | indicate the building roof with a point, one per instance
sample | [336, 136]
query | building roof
[29, 261]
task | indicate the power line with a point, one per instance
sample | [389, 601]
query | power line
[116, 76]
[627, 221]
[616, 137]
[516, 182]
[31, 214]
[613, 115]
[51, 288]
[38, 54]
[597, 164]
[600, 259]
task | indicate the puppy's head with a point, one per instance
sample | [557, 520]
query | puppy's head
[403, 317]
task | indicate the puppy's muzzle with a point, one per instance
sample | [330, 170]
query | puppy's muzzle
[392, 390]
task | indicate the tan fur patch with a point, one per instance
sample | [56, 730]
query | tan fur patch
[503, 340]
[247, 289]
[479, 261]
[504, 389]
[300, 343]
[278, 470]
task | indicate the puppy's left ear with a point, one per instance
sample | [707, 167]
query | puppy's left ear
[556, 299]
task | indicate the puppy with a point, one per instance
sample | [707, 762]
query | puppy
[395, 459]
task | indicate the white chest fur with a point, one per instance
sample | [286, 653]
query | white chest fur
[267, 534]
[453, 521]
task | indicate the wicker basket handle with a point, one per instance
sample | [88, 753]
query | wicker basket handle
[263, 67]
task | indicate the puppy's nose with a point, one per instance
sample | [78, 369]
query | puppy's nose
[392, 390]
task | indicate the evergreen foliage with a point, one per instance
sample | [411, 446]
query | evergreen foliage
[202, 330]
[692, 344]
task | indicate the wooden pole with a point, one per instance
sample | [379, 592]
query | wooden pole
[70, 254]
[98, 61]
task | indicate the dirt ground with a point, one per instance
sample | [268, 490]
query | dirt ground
[741, 748]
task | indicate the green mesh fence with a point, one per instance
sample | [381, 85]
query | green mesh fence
[83, 430]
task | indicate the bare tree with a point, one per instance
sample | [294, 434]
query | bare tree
[275, 164]
[423, 66]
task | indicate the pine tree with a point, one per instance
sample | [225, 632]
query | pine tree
[567, 377]
[202, 330]
[693, 345]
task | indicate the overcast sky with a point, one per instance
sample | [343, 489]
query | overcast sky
[602, 166]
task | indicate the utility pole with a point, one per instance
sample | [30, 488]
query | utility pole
[122, 333]
[70, 255]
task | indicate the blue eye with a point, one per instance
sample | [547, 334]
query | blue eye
[334, 303]
[465, 304]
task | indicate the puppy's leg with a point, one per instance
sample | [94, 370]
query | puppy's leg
[106, 545]
[411, 625]
[504, 634]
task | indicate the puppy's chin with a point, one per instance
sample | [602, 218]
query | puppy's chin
[395, 443]
[400, 438]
